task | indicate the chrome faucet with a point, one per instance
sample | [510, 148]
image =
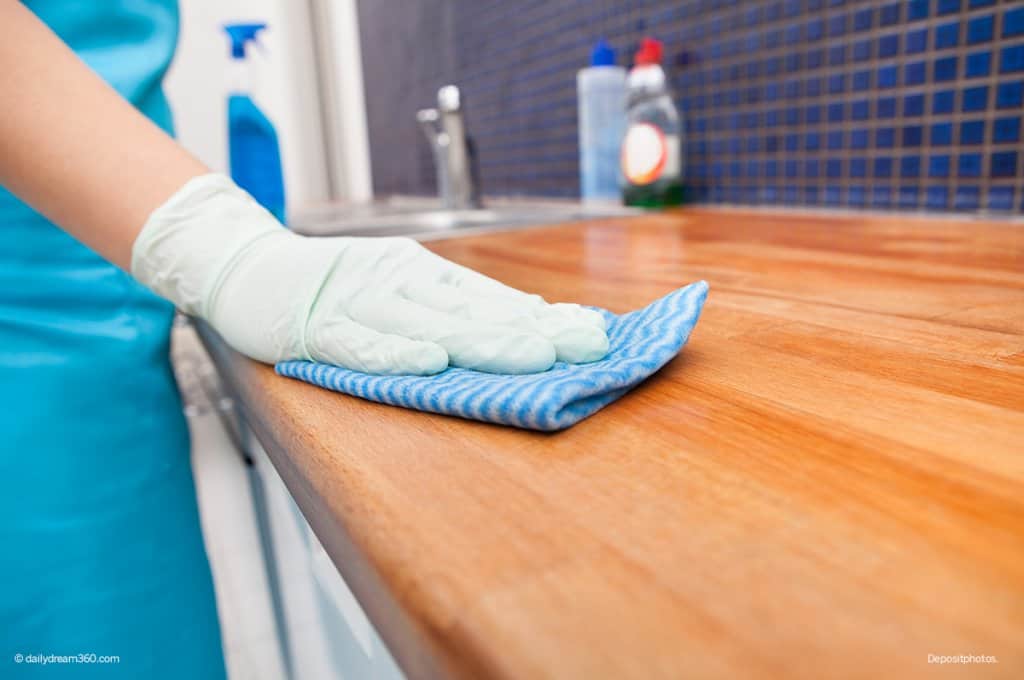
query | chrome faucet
[446, 132]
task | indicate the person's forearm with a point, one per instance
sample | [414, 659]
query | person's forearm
[72, 148]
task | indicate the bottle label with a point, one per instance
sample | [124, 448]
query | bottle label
[647, 154]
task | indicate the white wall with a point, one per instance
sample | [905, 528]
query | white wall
[285, 87]
[344, 102]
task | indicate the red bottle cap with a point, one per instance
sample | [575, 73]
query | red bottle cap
[649, 53]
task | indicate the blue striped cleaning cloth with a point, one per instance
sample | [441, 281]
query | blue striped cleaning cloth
[641, 342]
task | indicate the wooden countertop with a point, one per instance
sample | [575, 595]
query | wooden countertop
[828, 482]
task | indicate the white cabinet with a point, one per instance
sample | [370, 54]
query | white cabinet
[326, 633]
[286, 612]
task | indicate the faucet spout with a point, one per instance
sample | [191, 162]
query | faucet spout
[446, 132]
[430, 122]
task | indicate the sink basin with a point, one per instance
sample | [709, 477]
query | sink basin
[422, 221]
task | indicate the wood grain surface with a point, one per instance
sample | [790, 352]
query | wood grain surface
[827, 483]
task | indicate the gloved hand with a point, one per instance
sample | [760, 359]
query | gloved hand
[376, 305]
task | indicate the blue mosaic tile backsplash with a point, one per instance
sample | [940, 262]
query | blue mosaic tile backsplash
[910, 104]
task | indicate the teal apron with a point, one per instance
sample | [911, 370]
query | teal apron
[100, 546]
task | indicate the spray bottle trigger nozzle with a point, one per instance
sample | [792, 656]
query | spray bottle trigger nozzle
[240, 35]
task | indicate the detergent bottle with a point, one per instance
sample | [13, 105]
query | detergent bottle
[253, 150]
[652, 164]
[601, 94]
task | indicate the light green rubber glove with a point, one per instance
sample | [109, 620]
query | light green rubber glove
[376, 305]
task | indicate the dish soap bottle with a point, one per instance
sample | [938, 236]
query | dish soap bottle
[253, 150]
[601, 96]
[651, 155]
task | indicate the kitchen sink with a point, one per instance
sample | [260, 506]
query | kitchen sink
[423, 220]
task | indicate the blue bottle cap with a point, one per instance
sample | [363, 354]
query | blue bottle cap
[241, 34]
[602, 54]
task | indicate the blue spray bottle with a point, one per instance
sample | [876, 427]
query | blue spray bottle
[253, 149]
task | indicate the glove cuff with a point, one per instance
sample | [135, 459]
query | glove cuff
[190, 242]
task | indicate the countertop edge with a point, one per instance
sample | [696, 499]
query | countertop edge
[410, 645]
